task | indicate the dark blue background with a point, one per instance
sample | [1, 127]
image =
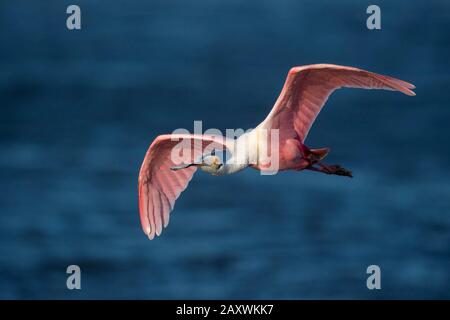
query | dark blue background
[79, 109]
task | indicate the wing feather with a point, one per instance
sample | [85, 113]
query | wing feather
[158, 186]
[307, 89]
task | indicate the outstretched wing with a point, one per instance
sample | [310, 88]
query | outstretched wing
[307, 89]
[158, 185]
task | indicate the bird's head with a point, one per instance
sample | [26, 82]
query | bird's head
[209, 163]
[212, 164]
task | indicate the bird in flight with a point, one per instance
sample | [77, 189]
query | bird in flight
[305, 91]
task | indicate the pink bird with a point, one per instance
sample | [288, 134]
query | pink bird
[307, 88]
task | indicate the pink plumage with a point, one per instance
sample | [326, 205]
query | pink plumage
[307, 89]
[304, 93]
[159, 186]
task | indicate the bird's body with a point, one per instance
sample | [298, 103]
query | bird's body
[275, 144]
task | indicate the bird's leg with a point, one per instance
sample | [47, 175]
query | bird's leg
[331, 169]
[315, 156]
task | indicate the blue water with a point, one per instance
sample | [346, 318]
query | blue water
[79, 109]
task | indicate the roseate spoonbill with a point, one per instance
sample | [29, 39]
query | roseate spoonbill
[305, 91]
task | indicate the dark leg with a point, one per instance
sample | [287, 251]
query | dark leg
[314, 158]
[333, 169]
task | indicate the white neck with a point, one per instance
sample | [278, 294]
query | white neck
[242, 153]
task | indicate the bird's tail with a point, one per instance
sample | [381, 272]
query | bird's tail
[320, 153]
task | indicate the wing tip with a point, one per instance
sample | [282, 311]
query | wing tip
[152, 235]
[408, 91]
[405, 87]
[397, 84]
